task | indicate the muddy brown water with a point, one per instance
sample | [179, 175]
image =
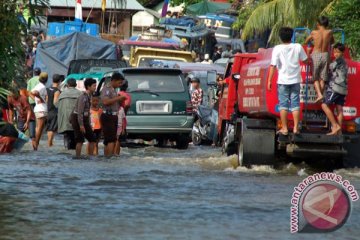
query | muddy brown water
[151, 193]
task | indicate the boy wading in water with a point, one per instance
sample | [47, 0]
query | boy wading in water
[337, 89]
[95, 114]
[286, 58]
[322, 39]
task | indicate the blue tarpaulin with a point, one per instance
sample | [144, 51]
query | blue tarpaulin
[54, 56]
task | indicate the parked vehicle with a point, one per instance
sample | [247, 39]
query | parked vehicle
[127, 45]
[187, 67]
[90, 68]
[160, 107]
[220, 23]
[143, 57]
[249, 115]
[222, 62]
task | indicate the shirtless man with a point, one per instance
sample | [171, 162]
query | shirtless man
[322, 39]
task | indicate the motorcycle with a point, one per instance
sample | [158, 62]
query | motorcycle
[203, 128]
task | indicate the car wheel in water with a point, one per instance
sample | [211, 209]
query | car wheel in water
[182, 142]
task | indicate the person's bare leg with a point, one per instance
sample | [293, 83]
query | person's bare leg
[50, 135]
[319, 93]
[296, 116]
[109, 149]
[78, 149]
[40, 123]
[96, 149]
[340, 114]
[33, 142]
[91, 148]
[283, 118]
[335, 127]
[322, 86]
[117, 148]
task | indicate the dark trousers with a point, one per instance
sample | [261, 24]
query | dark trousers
[69, 140]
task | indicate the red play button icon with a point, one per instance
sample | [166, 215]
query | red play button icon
[325, 206]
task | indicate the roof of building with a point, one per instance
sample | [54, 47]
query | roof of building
[96, 4]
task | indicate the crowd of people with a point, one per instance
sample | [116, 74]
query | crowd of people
[75, 114]
[78, 116]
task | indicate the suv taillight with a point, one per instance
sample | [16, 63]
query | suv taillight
[189, 108]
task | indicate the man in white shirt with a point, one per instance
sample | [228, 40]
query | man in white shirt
[39, 93]
[286, 58]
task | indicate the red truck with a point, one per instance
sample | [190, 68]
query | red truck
[249, 115]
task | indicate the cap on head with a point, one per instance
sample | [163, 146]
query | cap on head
[43, 77]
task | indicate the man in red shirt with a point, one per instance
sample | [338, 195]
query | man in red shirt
[25, 118]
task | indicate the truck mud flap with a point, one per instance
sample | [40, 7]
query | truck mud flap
[256, 142]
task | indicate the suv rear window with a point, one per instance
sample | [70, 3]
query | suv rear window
[154, 82]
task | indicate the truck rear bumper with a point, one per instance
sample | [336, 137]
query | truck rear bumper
[311, 150]
[315, 144]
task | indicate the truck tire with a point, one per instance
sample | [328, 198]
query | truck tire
[256, 147]
[182, 142]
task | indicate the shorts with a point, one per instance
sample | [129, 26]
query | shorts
[79, 136]
[334, 98]
[41, 115]
[289, 97]
[109, 127]
[320, 66]
[31, 127]
[97, 133]
[51, 122]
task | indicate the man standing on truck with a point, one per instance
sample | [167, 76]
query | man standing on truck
[337, 89]
[109, 120]
[322, 39]
[286, 57]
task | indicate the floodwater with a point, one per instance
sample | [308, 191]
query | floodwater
[151, 193]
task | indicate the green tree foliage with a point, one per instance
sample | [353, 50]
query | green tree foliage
[345, 14]
[245, 10]
[187, 2]
[274, 14]
[12, 38]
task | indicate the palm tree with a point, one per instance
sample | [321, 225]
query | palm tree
[13, 33]
[274, 14]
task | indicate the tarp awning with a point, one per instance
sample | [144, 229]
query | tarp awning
[54, 56]
[205, 7]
